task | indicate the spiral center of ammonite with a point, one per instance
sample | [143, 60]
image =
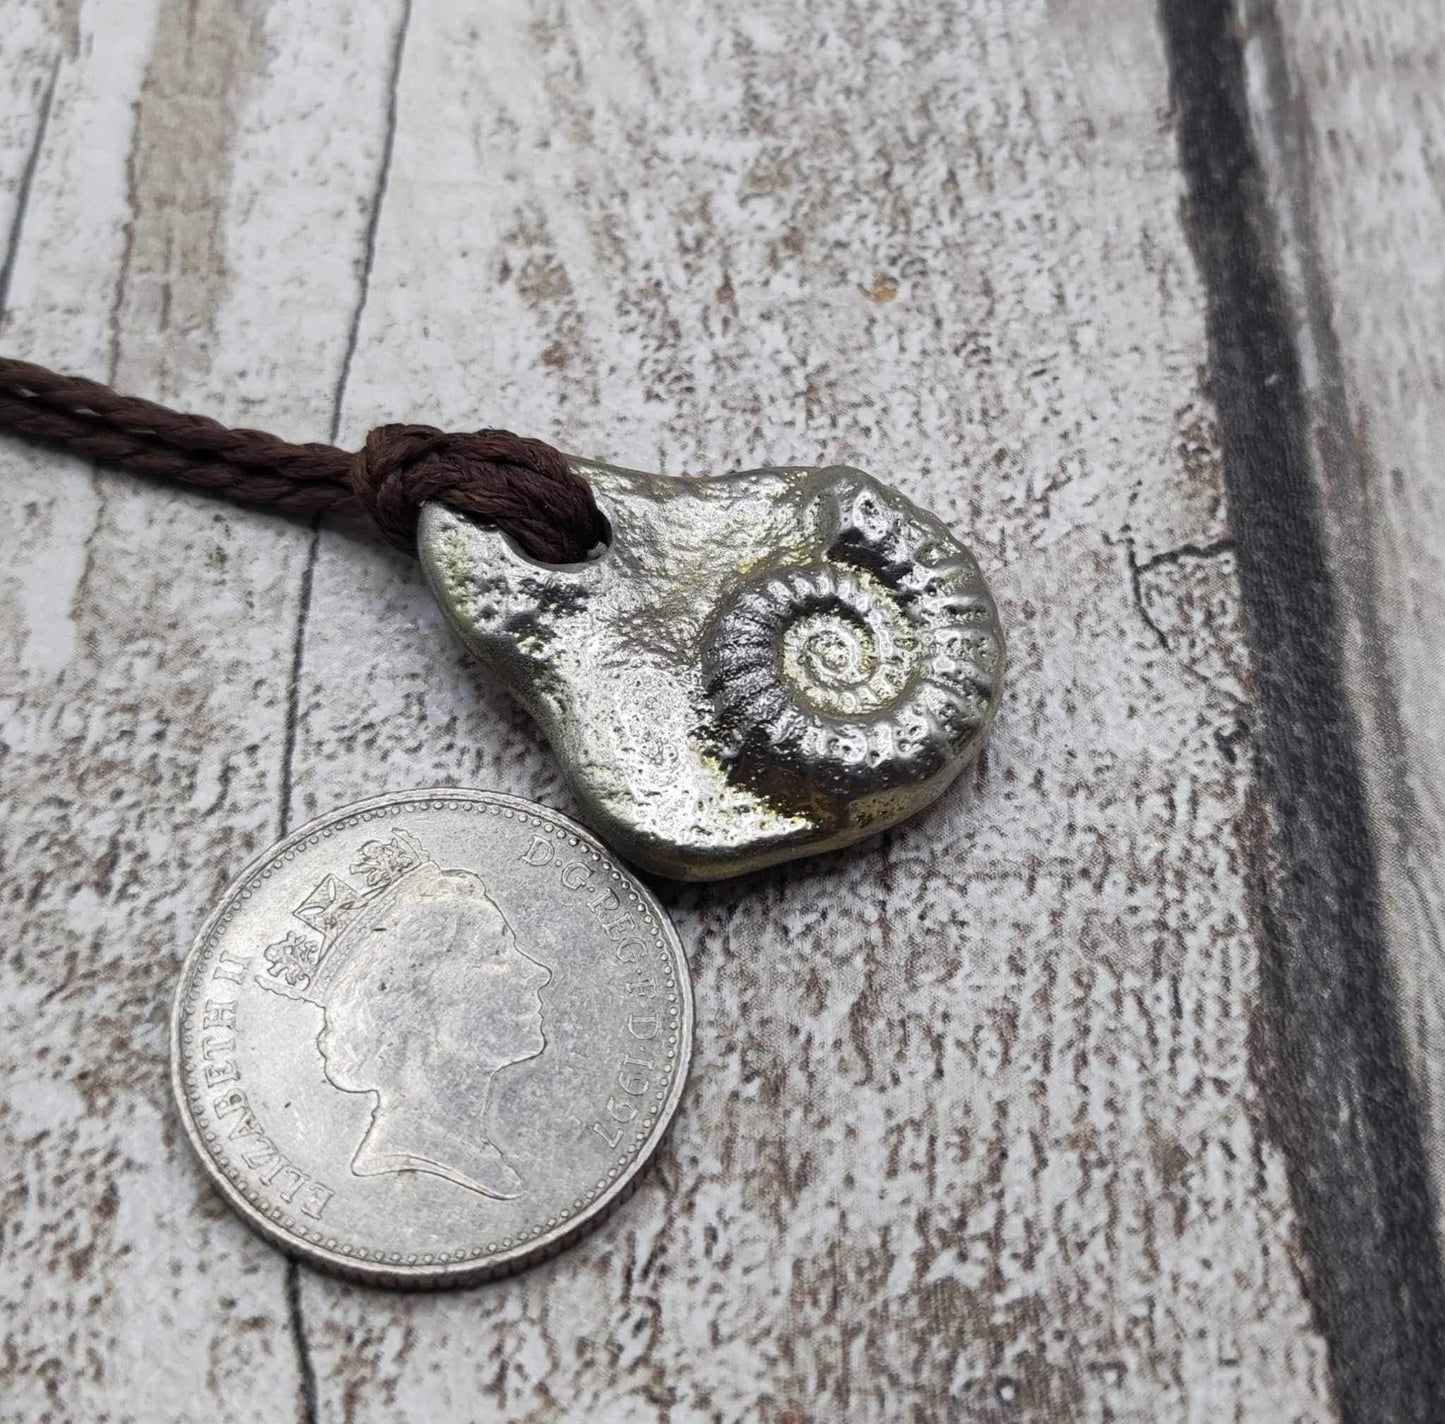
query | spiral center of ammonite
[848, 661]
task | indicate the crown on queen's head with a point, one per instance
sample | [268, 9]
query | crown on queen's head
[300, 966]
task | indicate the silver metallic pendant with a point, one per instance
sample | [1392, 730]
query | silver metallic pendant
[761, 666]
[431, 1038]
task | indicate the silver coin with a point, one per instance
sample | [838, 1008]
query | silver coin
[432, 1037]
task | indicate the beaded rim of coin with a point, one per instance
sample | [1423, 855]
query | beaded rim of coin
[487, 1260]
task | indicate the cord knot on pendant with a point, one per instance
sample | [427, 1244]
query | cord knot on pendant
[524, 486]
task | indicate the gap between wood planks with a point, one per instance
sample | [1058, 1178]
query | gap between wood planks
[1345, 1108]
[295, 1308]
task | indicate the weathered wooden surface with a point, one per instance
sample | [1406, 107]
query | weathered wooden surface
[1344, 1103]
[978, 1123]
[1350, 111]
[146, 658]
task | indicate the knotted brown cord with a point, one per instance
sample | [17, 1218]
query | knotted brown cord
[523, 486]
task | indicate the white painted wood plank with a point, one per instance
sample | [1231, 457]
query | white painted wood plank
[972, 1128]
[36, 38]
[175, 240]
[944, 248]
[1349, 114]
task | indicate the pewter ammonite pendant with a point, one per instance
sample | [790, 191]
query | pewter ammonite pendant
[761, 666]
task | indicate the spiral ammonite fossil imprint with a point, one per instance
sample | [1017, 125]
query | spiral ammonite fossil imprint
[873, 666]
[761, 665]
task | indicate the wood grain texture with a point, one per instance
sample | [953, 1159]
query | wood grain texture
[145, 641]
[1350, 116]
[972, 1127]
[978, 1123]
[1345, 1107]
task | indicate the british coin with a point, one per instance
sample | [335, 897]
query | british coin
[431, 1037]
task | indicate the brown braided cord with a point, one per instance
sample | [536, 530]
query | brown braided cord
[524, 486]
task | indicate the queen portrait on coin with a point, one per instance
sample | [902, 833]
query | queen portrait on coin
[426, 997]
